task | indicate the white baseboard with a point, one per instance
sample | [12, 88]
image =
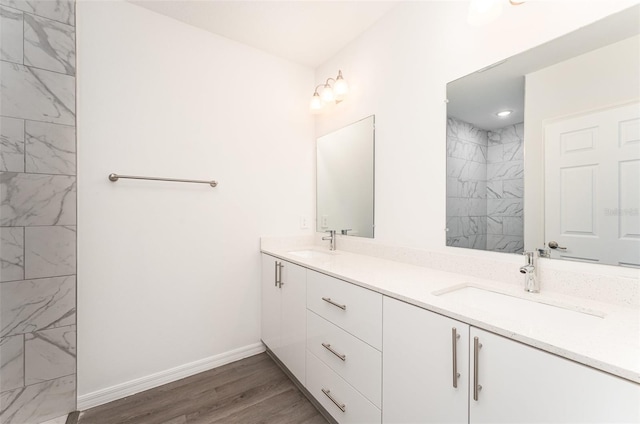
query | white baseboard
[138, 385]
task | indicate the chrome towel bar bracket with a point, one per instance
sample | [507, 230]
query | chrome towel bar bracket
[116, 177]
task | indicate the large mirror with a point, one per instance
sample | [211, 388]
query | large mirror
[345, 179]
[561, 171]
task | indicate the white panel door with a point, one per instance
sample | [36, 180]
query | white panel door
[592, 186]
[418, 366]
[521, 384]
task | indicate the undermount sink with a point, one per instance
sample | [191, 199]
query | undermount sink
[519, 307]
[312, 254]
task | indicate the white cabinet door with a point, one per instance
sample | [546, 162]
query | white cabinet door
[293, 319]
[271, 304]
[284, 324]
[592, 186]
[523, 384]
[418, 366]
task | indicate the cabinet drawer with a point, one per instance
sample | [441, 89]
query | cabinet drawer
[352, 308]
[354, 360]
[323, 382]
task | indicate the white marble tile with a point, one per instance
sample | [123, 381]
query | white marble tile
[465, 131]
[513, 226]
[495, 189]
[39, 402]
[50, 354]
[504, 207]
[466, 189]
[33, 305]
[11, 363]
[513, 151]
[494, 225]
[11, 144]
[478, 242]
[506, 135]
[457, 207]
[36, 94]
[49, 251]
[455, 226]
[37, 199]
[458, 241]
[505, 170]
[11, 44]
[495, 153]
[11, 253]
[49, 45]
[58, 10]
[477, 207]
[466, 150]
[513, 188]
[507, 244]
[50, 148]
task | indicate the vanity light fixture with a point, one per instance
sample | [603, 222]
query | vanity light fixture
[482, 12]
[504, 113]
[334, 89]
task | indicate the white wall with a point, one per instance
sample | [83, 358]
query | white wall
[169, 273]
[398, 71]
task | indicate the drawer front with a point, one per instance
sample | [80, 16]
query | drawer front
[354, 360]
[323, 383]
[352, 308]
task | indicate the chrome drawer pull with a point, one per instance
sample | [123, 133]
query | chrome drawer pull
[328, 300]
[330, 349]
[342, 406]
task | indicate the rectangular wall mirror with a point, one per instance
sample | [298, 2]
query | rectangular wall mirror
[345, 180]
[560, 169]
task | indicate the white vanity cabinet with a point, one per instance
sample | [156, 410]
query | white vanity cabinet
[284, 313]
[420, 364]
[523, 384]
[516, 383]
[344, 342]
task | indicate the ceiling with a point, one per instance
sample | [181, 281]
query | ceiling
[305, 32]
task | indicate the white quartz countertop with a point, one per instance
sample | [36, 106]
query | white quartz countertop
[610, 343]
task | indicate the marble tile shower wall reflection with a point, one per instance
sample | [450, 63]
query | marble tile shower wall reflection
[485, 187]
[37, 210]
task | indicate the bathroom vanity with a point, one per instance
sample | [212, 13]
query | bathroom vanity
[375, 340]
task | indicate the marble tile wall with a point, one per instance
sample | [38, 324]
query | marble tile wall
[466, 185]
[485, 186]
[505, 189]
[37, 210]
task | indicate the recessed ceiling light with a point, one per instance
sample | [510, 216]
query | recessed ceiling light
[504, 113]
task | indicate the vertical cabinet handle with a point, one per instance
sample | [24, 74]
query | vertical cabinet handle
[327, 393]
[476, 352]
[454, 349]
[279, 266]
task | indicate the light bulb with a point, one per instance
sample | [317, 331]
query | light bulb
[504, 113]
[316, 102]
[327, 94]
[482, 12]
[340, 88]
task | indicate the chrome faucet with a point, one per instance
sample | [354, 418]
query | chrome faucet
[531, 283]
[331, 238]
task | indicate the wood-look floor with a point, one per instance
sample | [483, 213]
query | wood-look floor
[251, 391]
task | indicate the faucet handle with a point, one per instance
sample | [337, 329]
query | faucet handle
[344, 232]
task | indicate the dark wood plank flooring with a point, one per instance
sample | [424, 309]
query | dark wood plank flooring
[251, 391]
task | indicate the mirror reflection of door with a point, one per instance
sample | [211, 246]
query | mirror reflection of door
[592, 186]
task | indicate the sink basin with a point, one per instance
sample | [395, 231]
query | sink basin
[522, 308]
[312, 254]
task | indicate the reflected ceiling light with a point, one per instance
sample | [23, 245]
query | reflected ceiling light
[334, 89]
[504, 113]
[482, 12]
